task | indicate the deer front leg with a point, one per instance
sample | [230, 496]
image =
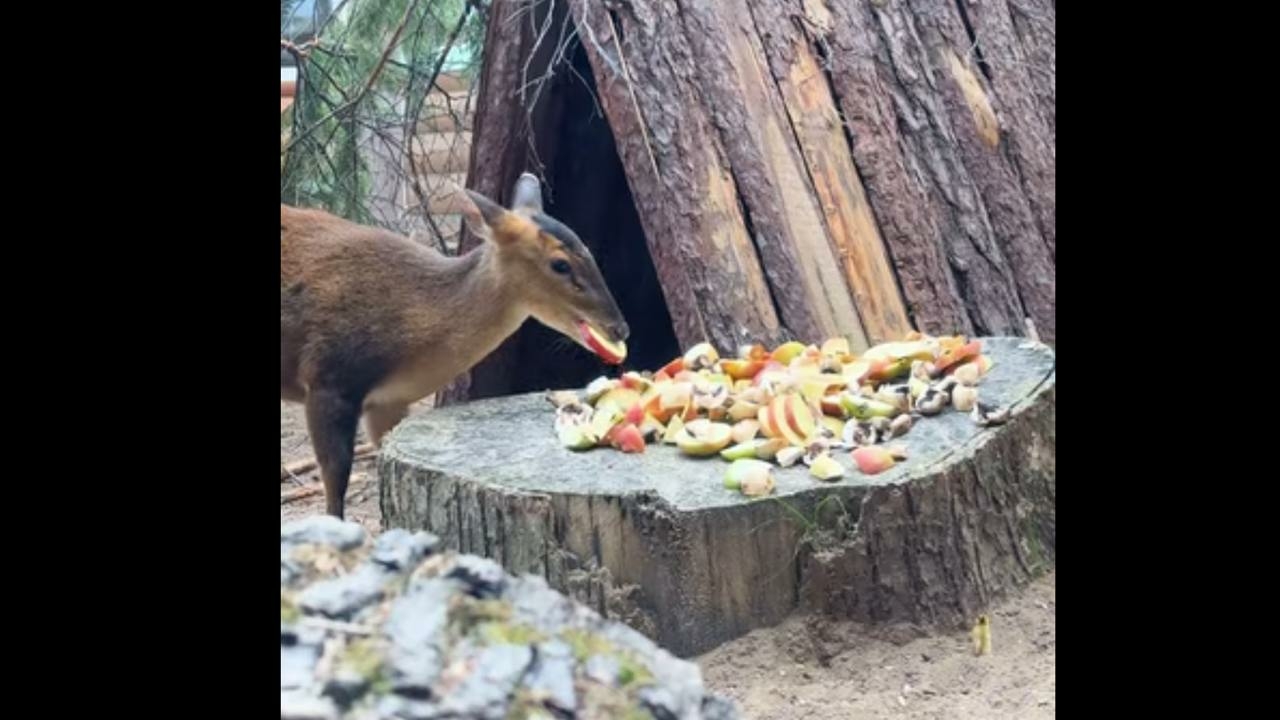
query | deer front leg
[331, 421]
[380, 419]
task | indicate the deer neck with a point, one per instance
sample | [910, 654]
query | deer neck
[482, 309]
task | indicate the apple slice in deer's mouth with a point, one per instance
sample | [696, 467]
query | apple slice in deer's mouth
[612, 353]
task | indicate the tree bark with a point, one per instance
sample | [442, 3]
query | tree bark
[808, 168]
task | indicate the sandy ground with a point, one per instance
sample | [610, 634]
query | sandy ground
[813, 668]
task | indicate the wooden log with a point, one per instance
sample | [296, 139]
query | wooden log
[807, 94]
[656, 541]
[678, 167]
[1016, 50]
[918, 104]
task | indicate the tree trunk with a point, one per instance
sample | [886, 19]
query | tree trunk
[657, 541]
[810, 168]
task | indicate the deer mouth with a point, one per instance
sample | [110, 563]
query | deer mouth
[612, 353]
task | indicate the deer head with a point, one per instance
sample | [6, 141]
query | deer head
[557, 277]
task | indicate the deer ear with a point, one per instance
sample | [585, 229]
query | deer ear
[489, 211]
[492, 222]
[527, 194]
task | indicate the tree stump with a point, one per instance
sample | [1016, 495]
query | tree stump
[656, 541]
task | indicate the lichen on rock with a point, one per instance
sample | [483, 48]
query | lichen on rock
[391, 628]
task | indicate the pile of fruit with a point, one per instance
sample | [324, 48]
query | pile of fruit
[797, 403]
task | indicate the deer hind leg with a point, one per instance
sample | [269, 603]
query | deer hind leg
[380, 419]
[331, 420]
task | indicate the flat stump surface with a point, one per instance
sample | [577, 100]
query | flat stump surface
[656, 540]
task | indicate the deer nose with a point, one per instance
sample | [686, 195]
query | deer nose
[620, 331]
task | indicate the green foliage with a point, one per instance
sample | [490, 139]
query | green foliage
[350, 98]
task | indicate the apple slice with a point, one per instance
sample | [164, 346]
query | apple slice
[651, 427]
[825, 467]
[956, 356]
[885, 369]
[788, 417]
[750, 477]
[675, 395]
[673, 367]
[788, 351]
[742, 450]
[744, 430]
[873, 459]
[742, 369]
[635, 414]
[743, 410]
[702, 355]
[603, 422]
[635, 381]
[835, 425]
[701, 438]
[857, 371]
[831, 406]
[815, 387]
[836, 347]
[789, 455]
[576, 437]
[866, 408]
[619, 398]
[628, 439]
[799, 419]
[611, 353]
[674, 428]
[598, 387]
[895, 351]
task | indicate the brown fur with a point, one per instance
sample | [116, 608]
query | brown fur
[371, 321]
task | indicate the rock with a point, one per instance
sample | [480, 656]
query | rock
[295, 706]
[345, 687]
[323, 530]
[552, 675]
[416, 628]
[603, 669]
[483, 578]
[486, 692]
[297, 665]
[660, 703]
[715, 707]
[534, 602]
[461, 639]
[342, 597]
[397, 550]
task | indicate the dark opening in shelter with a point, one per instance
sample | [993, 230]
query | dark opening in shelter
[585, 188]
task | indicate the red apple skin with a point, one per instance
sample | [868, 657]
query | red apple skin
[673, 367]
[950, 360]
[635, 415]
[873, 459]
[597, 347]
[770, 366]
[742, 369]
[628, 438]
[794, 407]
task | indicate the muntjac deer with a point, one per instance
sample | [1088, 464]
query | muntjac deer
[371, 321]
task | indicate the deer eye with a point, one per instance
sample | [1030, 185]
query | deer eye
[561, 267]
